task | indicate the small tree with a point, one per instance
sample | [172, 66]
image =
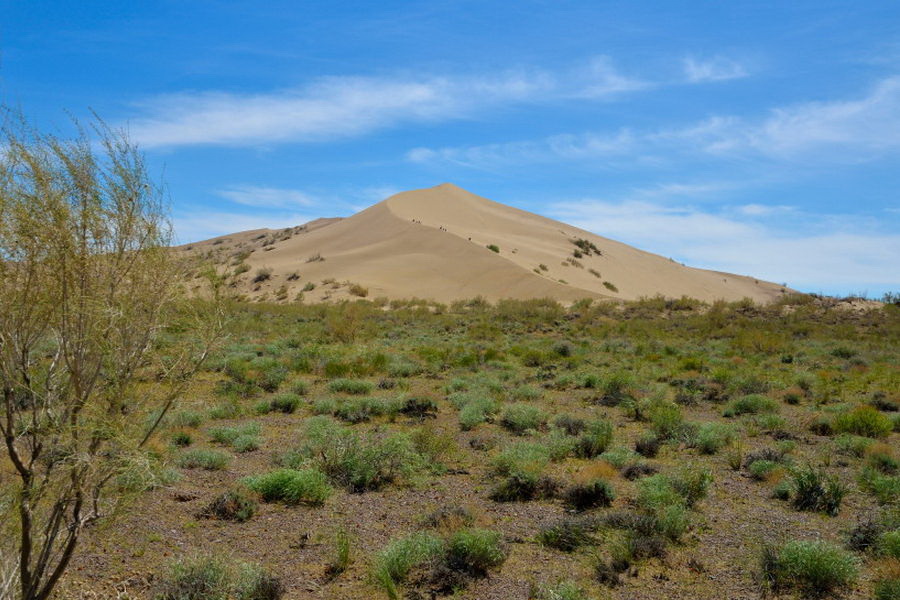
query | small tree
[88, 362]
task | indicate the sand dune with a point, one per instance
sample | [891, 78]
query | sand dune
[433, 243]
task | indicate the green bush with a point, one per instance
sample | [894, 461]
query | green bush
[709, 438]
[475, 412]
[351, 386]
[752, 404]
[595, 439]
[474, 551]
[568, 534]
[201, 458]
[589, 494]
[760, 469]
[563, 590]
[209, 577]
[285, 403]
[887, 589]
[885, 488]
[888, 544]
[816, 491]
[812, 568]
[234, 505]
[307, 486]
[359, 463]
[519, 418]
[391, 566]
[863, 420]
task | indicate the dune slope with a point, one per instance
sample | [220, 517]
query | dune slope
[433, 243]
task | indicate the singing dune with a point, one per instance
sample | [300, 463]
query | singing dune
[444, 244]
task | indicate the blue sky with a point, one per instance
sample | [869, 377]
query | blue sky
[755, 137]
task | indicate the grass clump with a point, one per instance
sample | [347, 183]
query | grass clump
[816, 491]
[359, 463]
[863, 420]
[351, 386]
[568, 534]
[709, 438]
[474, 551]
[202, 458]
[234, 505]
[520, 417]
[814, 569]
[392, 565]
[592, 493]
[341, 557]
[210, 577]
[751, 404]
[595, 438]
[290, 486]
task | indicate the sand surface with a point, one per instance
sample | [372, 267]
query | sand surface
[432, 243]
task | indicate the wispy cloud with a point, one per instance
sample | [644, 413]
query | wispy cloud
[842, 131]
[266, 197]
[717, 68]
[192, 225]
[856, 255]
[339, 107]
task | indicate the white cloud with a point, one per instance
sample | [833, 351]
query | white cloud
[717, 68]
[854, 257]
[202, 224]
[338, 107]
[844, 131]
[266, 197]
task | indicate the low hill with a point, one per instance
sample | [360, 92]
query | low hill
[444, 243]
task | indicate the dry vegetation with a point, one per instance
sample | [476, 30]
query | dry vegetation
[653, 449]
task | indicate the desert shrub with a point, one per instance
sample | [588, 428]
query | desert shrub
[359, 463]
[712, 437]
[359, 410]
[520, 417]
[751, 404]
[202, 458]
[888, 544]
[881, 458]
[854, 445]
[358, 290]
[475, 412]
[493, 248]
[350, 386]
[888, 588]
[521, 466]
[392, 565]
[419, 408]
[610, 286]
[647, 445]
[285, 403]
[182, 439]
[307, 486]
[595, 438]
[569, 424]
[568, 534]
[692, 483]
[884, 488]
[638, 470]
[227, 435]
[863, 420]
[234, 505]
[589, 494]
[812, 568]
[187, 418]
[209, 577]
[616, 388]
[474, 551]
[816, 491]
[666, 420]
[619, 456]
[761, 469]
[262, 275]
[245, 443]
